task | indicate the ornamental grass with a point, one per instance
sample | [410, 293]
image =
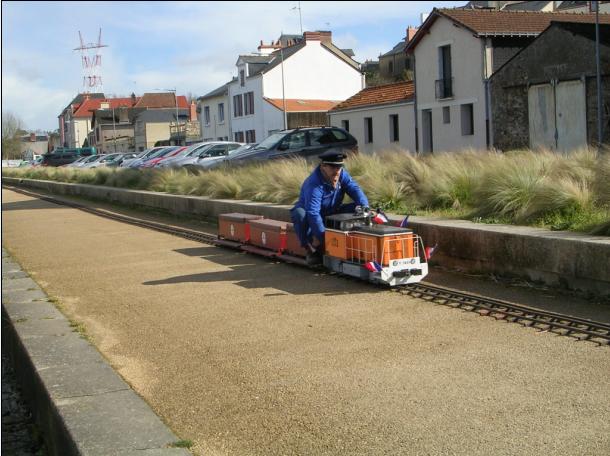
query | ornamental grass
[539, 188]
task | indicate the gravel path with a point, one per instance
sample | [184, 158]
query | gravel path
[246, 356]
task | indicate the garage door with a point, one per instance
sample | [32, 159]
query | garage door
[557, 117]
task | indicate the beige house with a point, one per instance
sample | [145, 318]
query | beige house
[153, 125]
[33, 145]
[380, 117]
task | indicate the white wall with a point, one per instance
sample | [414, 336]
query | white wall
[381, 126]
[254, 121]
[79, 129]
[467, 68]
[313, 73]
[215, 129]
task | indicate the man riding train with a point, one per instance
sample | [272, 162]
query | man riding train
[322, 195]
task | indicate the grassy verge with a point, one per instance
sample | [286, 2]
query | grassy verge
[542, 188]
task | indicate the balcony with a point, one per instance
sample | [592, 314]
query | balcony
[444, 88]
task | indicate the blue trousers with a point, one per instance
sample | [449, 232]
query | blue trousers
[301, 224]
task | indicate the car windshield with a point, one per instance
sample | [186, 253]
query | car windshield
[187, 151]
[270, 141]
[110, 157]
[91, 158]
[241, 149]
[167, 151]
[195, 151]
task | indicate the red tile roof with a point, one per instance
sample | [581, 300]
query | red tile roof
[384, 94]
[502, 23]
[161, 100]
[295, 105]
[86, 108]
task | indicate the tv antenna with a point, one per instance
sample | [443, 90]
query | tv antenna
[91, 59]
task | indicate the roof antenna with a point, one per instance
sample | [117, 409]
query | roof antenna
[300, 18]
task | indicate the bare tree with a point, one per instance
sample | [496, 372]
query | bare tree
[12, 128]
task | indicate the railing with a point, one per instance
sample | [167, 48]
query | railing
[444, 88]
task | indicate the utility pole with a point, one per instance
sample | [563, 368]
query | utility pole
[283, 91]
[114, 129]
[600, 113]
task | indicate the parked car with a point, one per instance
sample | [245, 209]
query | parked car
[120, 159]
[152, 153]
[218, 161]
[303, 142]
[159, 158]
[190, 150]
[77, 163]
[93, 163]
[217, 148]
[140, 156]
[104, 161]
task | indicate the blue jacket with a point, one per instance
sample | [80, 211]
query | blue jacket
[320, 199]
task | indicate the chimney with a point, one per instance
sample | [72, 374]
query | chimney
[193, 111]
[133, 99]
[411, 31]
[324, 37]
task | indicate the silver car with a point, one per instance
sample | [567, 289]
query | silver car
[172, 161]
[142, 155]
[194, 155]
[214, 161]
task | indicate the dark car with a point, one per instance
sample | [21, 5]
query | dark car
[302, 142]
[63, 156]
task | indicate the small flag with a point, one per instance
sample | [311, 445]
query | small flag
[430, 251]
[380, 218]
[404, 222]
[373, 266]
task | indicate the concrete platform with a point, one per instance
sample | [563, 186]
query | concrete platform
[82, 406]
[556, 258]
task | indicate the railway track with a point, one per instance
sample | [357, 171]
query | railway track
[560, 324]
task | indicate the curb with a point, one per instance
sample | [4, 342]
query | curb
[81, 405]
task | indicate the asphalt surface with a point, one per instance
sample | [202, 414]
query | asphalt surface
[246, 356]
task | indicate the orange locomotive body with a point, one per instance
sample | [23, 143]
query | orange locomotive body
[378, 253]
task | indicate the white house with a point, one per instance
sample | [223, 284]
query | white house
[381, 117]
[455, 53]
[214, 114]
[308, 75]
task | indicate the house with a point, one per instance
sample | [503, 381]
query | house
[291, 82]
[70, 129]
[455, 53]
[379, 117]
[75, 119]
[546, 95]
[214, 117]
[112, 130]
[546, 6]
[396, 65]
[153, 125]
[34, 144]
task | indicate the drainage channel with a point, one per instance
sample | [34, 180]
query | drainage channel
[557, 323]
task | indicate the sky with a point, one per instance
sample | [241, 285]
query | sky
[189, 46]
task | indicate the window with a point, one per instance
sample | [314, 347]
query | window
[368, 130]
[444, 85]
[322, 137]
[216, 151]
[206, 115]
[345, 125]
[295, 141]
[467, 119]
[237, 106]
[250, 136]
[221, 112]
[242, 77]
[391, 67]
[249, 103]
[239, 136]
[446, 114]
[394, 127]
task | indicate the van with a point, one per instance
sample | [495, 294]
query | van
[64, 155]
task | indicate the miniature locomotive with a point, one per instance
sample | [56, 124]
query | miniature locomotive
[354, 245]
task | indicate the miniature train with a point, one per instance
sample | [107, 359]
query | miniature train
[354, 245]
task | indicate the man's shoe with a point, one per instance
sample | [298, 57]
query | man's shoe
[314, 258]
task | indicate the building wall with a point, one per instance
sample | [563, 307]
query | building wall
[313, 73]
[381, 126]
[468, 69]
[257, 121]
[107, 134]
[400, 63]
[156, 132]
[79, 131]
[556, 54]
[215, 129]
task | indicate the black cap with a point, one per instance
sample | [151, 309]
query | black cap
[332, 157]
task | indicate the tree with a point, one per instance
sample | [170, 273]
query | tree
[12, 129]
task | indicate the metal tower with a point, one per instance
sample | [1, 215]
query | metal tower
[92, 63]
